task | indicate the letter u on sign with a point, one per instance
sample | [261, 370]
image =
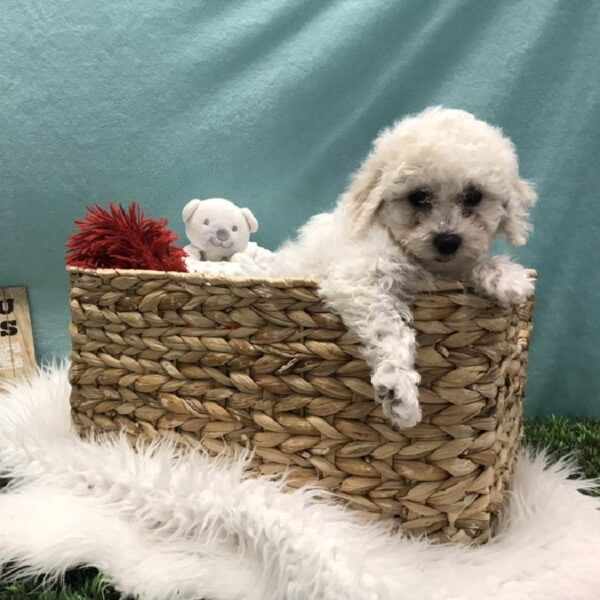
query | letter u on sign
[7, 306]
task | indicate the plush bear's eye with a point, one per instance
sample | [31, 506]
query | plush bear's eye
[206, 221]
[471, 196]
[234, 228]
[420, 198]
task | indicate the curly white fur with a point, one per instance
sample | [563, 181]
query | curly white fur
[168, 527]
[371, 250]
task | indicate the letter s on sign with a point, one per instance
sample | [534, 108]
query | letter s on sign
[8, 328]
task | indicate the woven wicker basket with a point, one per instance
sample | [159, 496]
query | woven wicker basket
[216, 361]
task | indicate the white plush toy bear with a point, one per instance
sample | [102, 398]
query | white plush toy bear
[217, 228]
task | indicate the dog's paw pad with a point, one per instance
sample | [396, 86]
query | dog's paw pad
[399, 397]
[403, 414]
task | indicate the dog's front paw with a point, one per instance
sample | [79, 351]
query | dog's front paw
[504, 281]
[398, 393]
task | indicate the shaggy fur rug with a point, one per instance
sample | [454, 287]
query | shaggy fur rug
[164, 527]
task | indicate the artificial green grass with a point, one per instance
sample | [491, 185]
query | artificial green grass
[80, 584]
[562, 437]
[559, 435]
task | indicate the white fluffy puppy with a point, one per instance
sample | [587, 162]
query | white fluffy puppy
[430, 198]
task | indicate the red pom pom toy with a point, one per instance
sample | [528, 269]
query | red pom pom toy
[123, 239]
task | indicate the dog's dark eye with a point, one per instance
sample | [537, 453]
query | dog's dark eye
[206, 221]
[234, 228]
[471, 196]
[419, 198]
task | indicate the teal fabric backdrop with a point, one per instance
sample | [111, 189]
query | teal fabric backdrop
[272, 104]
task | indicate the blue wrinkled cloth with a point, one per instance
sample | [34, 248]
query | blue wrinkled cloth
[272, 104]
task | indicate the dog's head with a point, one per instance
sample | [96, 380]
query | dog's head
[444, 184]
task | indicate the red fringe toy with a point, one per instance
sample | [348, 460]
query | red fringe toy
[123, 239]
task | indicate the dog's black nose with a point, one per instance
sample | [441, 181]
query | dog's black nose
[447, 243]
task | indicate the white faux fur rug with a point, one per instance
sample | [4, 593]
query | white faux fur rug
[164, 528]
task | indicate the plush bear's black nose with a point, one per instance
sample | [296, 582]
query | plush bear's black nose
[222, 235]
[447, 243]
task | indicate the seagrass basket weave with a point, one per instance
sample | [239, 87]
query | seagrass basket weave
[218, 361]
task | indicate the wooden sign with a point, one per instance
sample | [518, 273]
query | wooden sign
[17, 354]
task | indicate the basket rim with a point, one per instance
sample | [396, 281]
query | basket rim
[279, 282]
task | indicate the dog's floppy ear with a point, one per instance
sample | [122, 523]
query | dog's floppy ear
[515, 223]
[189, 209]
[362, 198]
[250, 219]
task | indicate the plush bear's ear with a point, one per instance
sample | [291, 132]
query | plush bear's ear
[250, 219]
[515, 223]
[189, 209]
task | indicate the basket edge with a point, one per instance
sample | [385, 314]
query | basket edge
[279, 282]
